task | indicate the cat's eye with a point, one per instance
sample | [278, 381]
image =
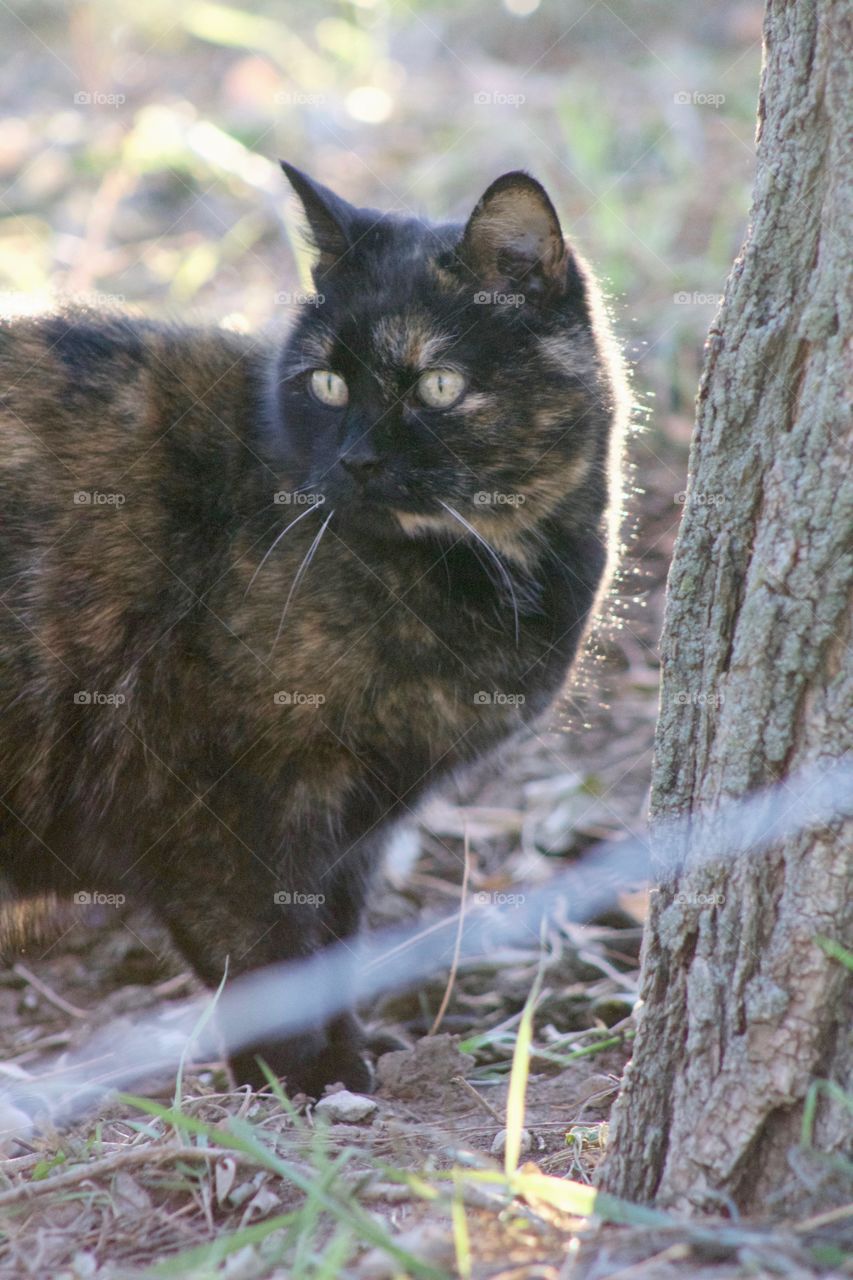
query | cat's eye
[440, 388]
[329, 388]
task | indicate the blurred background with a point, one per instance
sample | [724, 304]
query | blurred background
[138, 167]
[139, 143]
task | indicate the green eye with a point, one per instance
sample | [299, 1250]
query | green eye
[440, 388]
[329, 388]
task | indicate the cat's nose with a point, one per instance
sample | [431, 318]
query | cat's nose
[361, 464]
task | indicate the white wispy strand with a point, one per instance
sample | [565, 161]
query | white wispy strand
[289, 998]
[276, 540]
[300, 574]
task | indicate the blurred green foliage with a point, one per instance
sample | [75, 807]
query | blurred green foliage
[138, 144]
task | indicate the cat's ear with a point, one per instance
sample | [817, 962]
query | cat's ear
[328, 216]
[513, 239]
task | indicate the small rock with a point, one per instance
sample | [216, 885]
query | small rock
[499, 1144]
[84, 1265]
[346, 1108]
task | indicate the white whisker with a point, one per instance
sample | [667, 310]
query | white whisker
[300, 574]
[276, 540]
[501, 567]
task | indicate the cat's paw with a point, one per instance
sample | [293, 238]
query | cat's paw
[308, 1063]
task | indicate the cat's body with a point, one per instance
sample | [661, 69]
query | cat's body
[274, 654]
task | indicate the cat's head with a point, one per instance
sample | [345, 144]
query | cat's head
[444, 375]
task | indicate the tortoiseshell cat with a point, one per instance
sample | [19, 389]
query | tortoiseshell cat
[259, 595]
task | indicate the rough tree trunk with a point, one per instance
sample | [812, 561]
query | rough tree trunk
[743, 1009]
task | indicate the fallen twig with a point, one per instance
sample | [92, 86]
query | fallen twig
[44, 990]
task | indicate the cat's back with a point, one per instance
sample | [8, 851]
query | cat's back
[76, 383]
[120, 438]
[113, 412]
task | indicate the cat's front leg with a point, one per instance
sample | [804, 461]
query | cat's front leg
[244, 913]
[335, 1052]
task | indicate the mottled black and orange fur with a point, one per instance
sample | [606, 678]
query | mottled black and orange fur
[231, 750]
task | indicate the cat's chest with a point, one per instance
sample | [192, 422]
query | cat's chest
[401, 662]
[388, 731]
[421, 618]
[414, 679]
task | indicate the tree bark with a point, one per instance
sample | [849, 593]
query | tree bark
[743, 1009]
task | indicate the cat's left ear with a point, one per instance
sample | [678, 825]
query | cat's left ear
[513, 241]
[329, 217]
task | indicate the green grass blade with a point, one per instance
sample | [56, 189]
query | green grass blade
[515, 1102]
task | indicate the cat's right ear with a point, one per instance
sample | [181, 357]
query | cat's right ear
[329, 219]
[513, 240]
